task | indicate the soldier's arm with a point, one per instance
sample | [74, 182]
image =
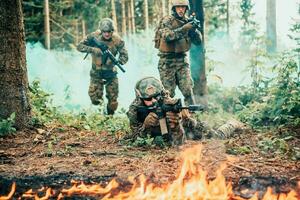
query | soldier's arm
[123, 58]
[195, 36]
[136, 127]
[170, 34]
[85, 45]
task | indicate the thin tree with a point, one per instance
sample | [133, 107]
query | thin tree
[47, 24]
[114, 15]
[83, 28]
[227, 17]
[146, 14]
[170, 6]
[129, 21]
[13, 71]
[163, 5]
[197, 57]
[132, 15]
[124, 29]
[271, 26]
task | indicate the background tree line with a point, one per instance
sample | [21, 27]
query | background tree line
[71, 20]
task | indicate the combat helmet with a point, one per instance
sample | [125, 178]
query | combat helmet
[106, 25]
[148, 87]
[180, 3]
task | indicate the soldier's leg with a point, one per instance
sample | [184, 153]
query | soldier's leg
[96, 90]
[185, 82]
[167, 75]
[112, 92]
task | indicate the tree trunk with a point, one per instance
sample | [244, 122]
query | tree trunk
[227, 17]
[47, 24]
[114, 15]
[170, 6]
[163, 7]
[13, 71]
[197, 57]
[129, 21]
[146, 14]
[271, 26]
[132, 15]
[123, 17]
[83, 29]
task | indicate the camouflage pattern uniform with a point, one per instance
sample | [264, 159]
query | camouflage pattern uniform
[173, 41]
[104, 74]
[137, 117]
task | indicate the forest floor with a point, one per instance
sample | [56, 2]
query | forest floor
[56, 155]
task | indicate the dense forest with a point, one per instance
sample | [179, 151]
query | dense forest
[246, 73]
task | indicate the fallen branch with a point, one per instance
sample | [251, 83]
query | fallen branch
[238, 166]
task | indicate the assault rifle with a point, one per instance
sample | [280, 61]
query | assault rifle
[160, 109]
[193, 20]
[106, 53]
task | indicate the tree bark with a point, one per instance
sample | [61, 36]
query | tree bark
[47, 24]
[146, 14]
[170, 6]
[114, 15]
[129, 21]
[197, 57]
[13, 71]
[271, 26]
[163, 2]
[132, 15]
[124, 28]
[227, 17]
[83, 29]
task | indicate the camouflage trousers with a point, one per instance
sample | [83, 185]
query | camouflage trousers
[96, 90]
[176, 72]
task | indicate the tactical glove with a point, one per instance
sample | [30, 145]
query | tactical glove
[173, 119]
[185, 113]
[151, 120]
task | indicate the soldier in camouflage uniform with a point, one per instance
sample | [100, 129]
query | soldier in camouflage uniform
[143, 123]
[104, 74]
[173, 38]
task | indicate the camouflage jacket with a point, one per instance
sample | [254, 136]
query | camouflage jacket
[116, 45]
[136, 120]
[170, 37]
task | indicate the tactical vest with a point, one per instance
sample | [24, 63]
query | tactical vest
[113, 47]
[177, 46]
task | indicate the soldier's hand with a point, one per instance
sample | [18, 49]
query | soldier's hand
[151, 120]
[173, 119]
[96, 51]
[170, 101]
[185, 113]
[188, 26]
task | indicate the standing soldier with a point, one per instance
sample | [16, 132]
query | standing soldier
[104, 72]
[173, 38]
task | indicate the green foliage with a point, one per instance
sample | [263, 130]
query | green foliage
[249, 27]
[6, 125]
[42, 108]
[143, 142]
[216, 16]
[239, 150]
[280, 145]
[44, 113]
[277, 102]
[66, 18]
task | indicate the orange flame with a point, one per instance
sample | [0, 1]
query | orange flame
[190, 184]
